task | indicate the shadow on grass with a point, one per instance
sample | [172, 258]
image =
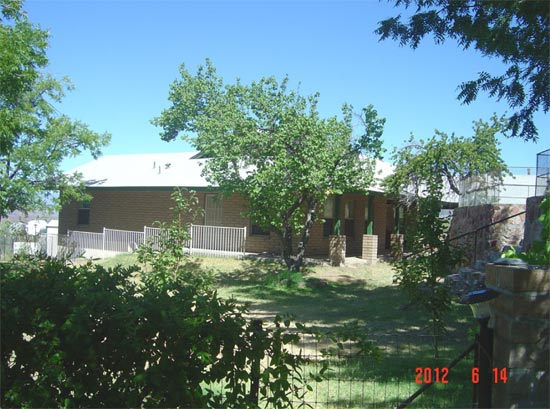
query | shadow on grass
[389, 380]
[397, 329]
[332, 303]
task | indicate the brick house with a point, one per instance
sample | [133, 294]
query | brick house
[133, 191]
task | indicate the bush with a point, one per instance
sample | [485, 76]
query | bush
[285, 279]
[90, 336]
[539, 253]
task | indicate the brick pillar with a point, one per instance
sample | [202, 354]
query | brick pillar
[521, 341]
[370, 248]
[337, 250]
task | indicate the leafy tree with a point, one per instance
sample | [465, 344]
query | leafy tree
[425, 172]
[87, 336]
[539, 252]
[448, 160]
[516, 32]
[269, 144]
[34, 138]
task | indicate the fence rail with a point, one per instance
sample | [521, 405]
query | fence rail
[214, 241]
[153, 237]
[217, 241]
[85, 244]
[122, 241]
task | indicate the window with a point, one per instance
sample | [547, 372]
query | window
[256, 230]
[213, 210]
[328, 215]
[84, 213]
[349, 218]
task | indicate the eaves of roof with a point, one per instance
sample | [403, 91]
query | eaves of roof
[164, 171]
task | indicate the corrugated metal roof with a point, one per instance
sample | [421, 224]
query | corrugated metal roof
[163, 170]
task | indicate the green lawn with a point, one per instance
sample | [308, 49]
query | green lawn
[327, 298]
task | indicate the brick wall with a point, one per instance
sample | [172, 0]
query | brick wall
[491, 240]
[521, 335]
[120, 209]
[533, 227]
[132, 209]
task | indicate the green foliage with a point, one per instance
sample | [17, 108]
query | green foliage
[15, 230]
[165, 253]
[269, 144]
[539, 253]
[513, 31]
[425, 172]
[420, 274]
[34, 137]
[443, 161]
[286, 279]
[90, 336]
[121, 337]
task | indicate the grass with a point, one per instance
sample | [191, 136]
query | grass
[326, 297]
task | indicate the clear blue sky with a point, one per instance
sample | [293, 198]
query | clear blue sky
[123, 55]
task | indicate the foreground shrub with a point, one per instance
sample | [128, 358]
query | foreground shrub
[90, 336]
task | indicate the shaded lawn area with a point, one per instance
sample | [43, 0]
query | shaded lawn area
[330, 296]
[327, 298]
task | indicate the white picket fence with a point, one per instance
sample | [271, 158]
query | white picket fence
[215, 241]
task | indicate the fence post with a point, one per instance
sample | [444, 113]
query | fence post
[244, 241]
[255, 366]
[475, 394]
[103, 244]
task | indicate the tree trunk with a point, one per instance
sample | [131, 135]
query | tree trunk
[286, 239]
[310, 219]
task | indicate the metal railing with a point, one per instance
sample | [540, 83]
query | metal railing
[86, 244]
[153, 237]
[217, 241]
[214, 241]
[122, 241]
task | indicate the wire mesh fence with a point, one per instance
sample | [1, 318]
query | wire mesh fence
[543, 172]
[6, 247]
[386, 377]
[399, 366]
[13, 244]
